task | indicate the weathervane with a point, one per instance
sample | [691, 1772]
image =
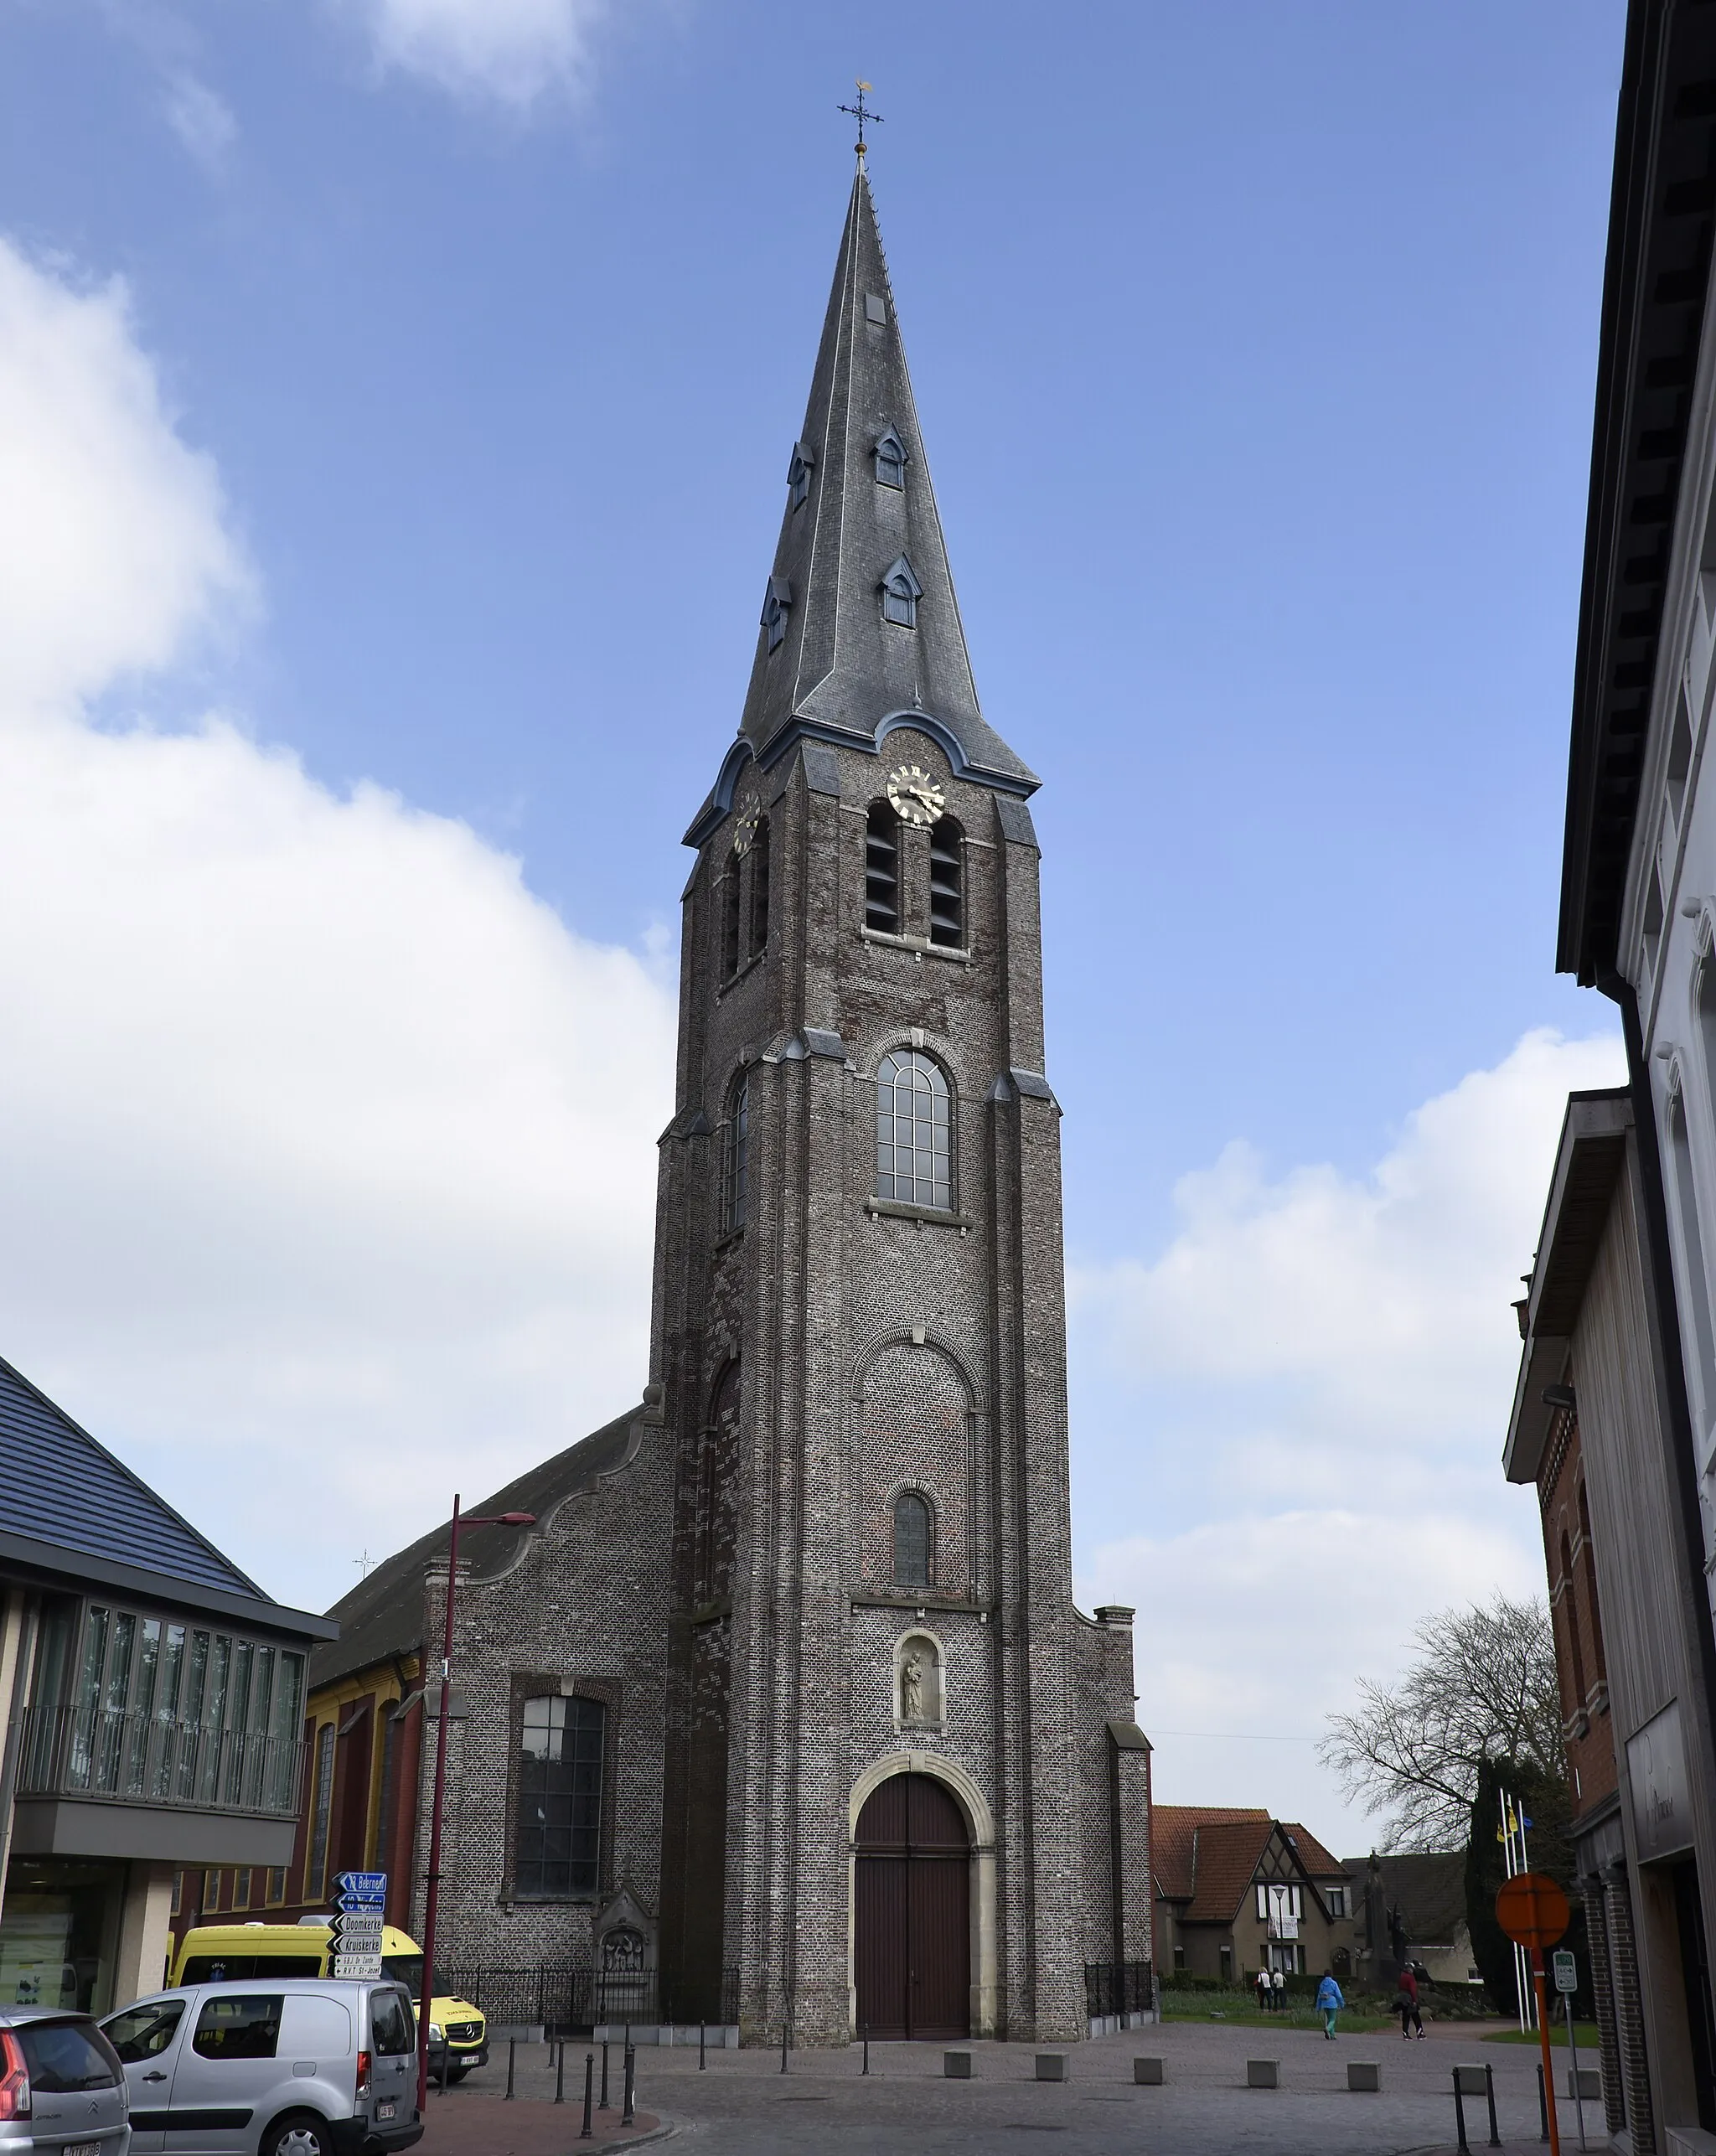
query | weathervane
[862, 114]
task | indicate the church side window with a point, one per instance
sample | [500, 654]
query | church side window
[947, 883]
[560, 1799]
[901, 591]
[881, 871]
[798, 474]
[729, 918]
[913, 1131]
[735, 1132]
[891, 461]
[911, 1540]
[759, 889]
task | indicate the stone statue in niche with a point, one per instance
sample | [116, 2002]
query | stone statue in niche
[912, 1686]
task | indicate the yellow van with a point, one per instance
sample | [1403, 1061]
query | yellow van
[221, 1954]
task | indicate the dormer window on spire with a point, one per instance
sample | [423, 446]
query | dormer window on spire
[776, 602]
[901, 591]
[798, 474]
[891, 461]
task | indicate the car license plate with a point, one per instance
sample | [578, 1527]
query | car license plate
[82, 2148]
[384, 2109]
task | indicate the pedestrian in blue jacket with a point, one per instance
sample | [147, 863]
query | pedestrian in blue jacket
[1329, 2003]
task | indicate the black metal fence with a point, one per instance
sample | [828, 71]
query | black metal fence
[1115, 1987]
[568, 1998]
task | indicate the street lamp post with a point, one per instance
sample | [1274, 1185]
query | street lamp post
[432, 1894]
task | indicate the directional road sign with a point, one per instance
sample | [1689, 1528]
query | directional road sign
[357, 1965]
[355, 1887]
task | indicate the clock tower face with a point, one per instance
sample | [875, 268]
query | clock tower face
[916, 796]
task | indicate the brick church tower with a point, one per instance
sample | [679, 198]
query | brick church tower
[903, 1787]
[778, 1708]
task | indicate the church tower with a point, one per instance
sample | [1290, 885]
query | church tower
[902, 1786]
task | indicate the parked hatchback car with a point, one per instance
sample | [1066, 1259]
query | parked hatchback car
[62, 2088]
[291, 2067]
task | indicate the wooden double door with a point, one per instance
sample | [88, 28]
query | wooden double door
[912, 1913]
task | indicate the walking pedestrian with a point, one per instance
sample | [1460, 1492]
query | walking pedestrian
[1406, 2005]
[1329, 2003]
[1262, 1991]
[1279, 1984]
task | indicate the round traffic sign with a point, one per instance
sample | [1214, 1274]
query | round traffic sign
[1533, 1910]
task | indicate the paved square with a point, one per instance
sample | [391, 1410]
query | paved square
[743, 2106]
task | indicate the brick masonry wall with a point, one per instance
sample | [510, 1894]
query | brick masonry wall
[580, 1610]
[728, 1592]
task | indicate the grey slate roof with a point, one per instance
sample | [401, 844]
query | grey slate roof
[840, 669]
[383, 1615]
[63, 1490]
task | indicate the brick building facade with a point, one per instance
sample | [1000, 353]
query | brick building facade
[785, 1689]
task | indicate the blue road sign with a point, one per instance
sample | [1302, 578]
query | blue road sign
[356, 1887]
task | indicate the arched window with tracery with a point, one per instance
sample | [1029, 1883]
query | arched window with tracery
[914, 1131]
[759, 888]
[1570, 1616]
[947, 883]
[730, 916]
[914, 1541]
[735, 1136]
[881, 870]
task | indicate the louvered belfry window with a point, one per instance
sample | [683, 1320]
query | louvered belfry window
[881, 871]
[729, 918]
[947, 883]
[734, 1138]
[914, 1152]
[759, 888]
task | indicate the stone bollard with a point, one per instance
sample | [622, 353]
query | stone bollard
[956, 2066]
[1051, 2066]
[1149, 2073]
[1590, 2084]
[1365, 2075]
[1262, 2073]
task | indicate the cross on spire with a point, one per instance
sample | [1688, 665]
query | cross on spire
[862, 114]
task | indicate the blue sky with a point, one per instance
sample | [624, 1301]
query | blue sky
[1254, 347]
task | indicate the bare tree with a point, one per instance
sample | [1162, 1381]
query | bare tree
[1483, 1685]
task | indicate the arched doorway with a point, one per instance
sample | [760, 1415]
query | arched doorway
[913, 1911]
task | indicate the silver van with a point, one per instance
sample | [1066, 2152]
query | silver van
[271, 2066]
[62, 2092]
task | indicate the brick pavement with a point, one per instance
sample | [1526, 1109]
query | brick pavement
[743, 2106]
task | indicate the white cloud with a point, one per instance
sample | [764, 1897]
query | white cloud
[201, 118]
[114, 545]
[509, 51]
[1325, 1365]
[327, 1151]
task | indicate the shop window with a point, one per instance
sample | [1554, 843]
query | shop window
[558, 1827]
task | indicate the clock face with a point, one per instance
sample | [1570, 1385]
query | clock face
[745, 831]
[916, 796]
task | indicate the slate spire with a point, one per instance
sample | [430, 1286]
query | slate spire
[859, 619]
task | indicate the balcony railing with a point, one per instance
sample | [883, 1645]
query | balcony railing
[141, 1758]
